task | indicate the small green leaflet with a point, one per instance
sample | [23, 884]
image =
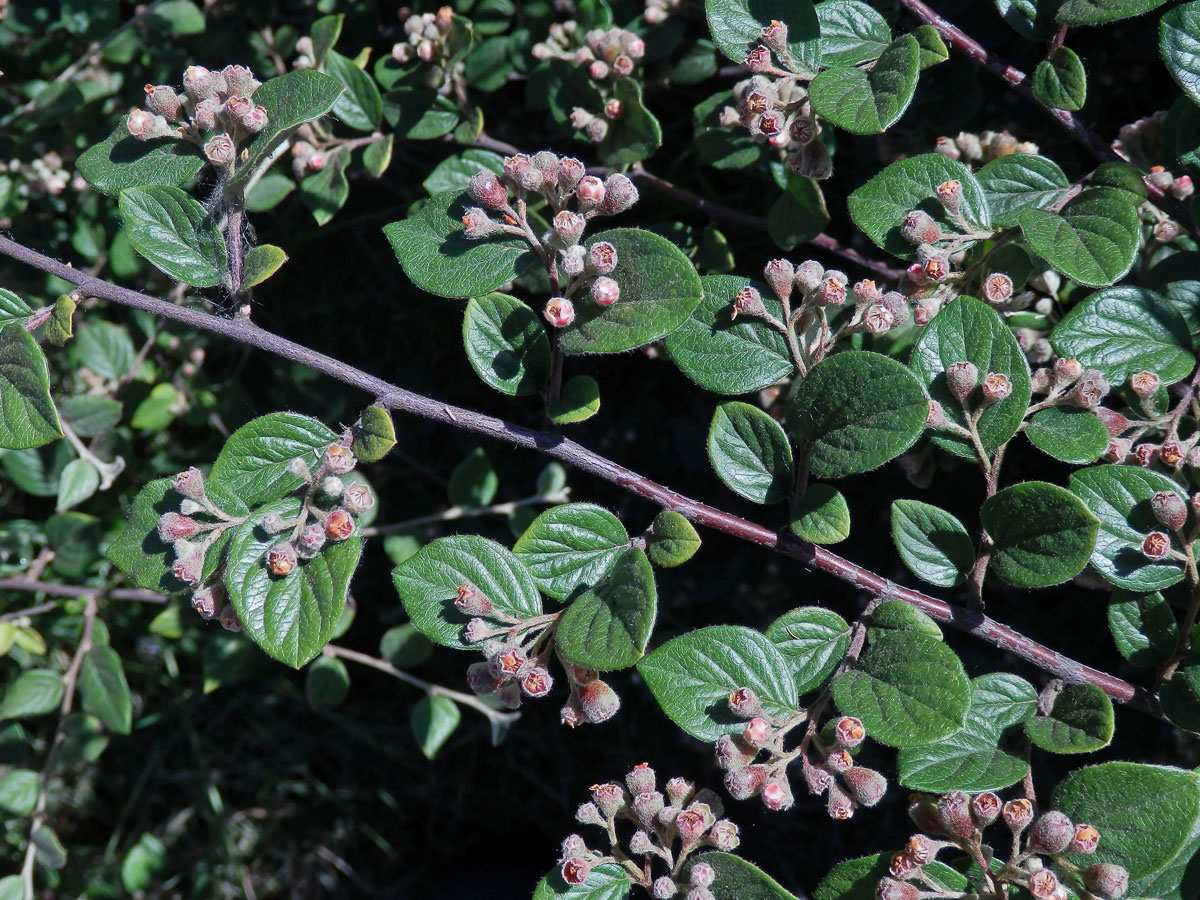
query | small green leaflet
[175, 233]
[1060, 82]
[932, 543]
[28, 417]
[863, 102]
[506, 344]
[1093, 240]
[822, 516]
[750, 452]
[608, 626]
[1080, 722]
[1042, 534]
[1069, 434]
[813, 640]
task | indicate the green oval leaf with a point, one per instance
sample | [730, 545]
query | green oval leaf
[1080, 722]
[428, 582]
[1098, 12]
[750, 452]
[571, 548]
[1093, 240]
[1068, 434]
[506, 344]
[813, 640]
[120, 162]
[28, 417]
[326, 682]
[433, 720]
[1143, 627]
[737, 879]
[852, 32]
[932, 543]
[737, 25]
[659, 290]
[261, 263]
[908, 689]
[1125, 330]
[607, 627]
[290, 100]
[673, 539]
[375, 435]
[254, 461]
[1060, 81]
[34, 692]
[578, 402]
[1018, 182]
[174, 233]
[822, 516]
[1119, 496]
[865, 102]
[359, 105]
[18, 793]
[855, 411]
[1042, 534]
[104, 690]
[692, 676]
[1179, 41]
[896, 615]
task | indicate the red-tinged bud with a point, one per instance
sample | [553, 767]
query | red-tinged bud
[647, 806]
[255, 120]
[1114, 422]
[240, 80]
[339, 524]
[605, 291]
[925, 310]
[1144, 384]
[803, 130]
[779, 274]
[758, 732]
[600, 702]
[162, 100]
[281, 559]
[878, 319]
[1067, 371]
[641, 779]
[947, 148]
[664, 888]
[866, 785]
[568, 227]
[679, 791]
[582, 675]
[936, 269]
[570, 172]
[985, 809]
[922, 849]
[809, 275]
[470, 601]
[997, 288]
[1160, 177]
[547, 163]
[481, 680]
[575, 870]
[640, 843]
[144, 125]
[1089, 390]
[358, 498]
[477, 224]
[916, 274]
[1118, 450]
[571, 714]
[732, 752]
[839, 761]
[620, 194]
[1043, 883]
[996, 387]
[190, 483]
[816, 778]
[1106, 880]
[891, 889]
[601, 258]
[227, 618]
[204, 114]
[1051, 833]
[598, 70]
[317, 161]
[866, 293]
[1144, 455]
[173, 527]
[198, 82]
[935, 418]
[573, 845]
[477, 630]
[622, 67]
[581, 118]
[487, 190]
[919, 228]
[1170, 510]
[691, 824]
[609, 798]
[832, 290]
[849, 731]
[775, 36]
[1165, 231]
[589, 813]
[311, 540]
[777, 794]
[521, 173]
[1182, 187]
[924, 814]
[758, 59]
[838, 804]
[339, 460]
[743, 783]
[559, 312]
[208, 600]
[903, 865]
[596, 130]
[724, 835]
[1086, 840]
[590, 191]
[188, 569]
[1171, 453]
[1156, 545]
[236, 107]
[702, 874]
[769, 124]
[954, 808]
[962, 378]
[950, 193]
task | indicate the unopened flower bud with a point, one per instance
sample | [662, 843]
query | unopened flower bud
[1052, 832]
[838, 804]
[747, 302]
[339, 524]
[866, 785]
[758, 59]
[601, 258]
[1182, 188]
[477, 224]
[839, 761]
[208, 600]
[198, 82]
[144, 125]
[664, 888]
[358, 498]
[1106, 880]
[281, 559]
[470, 601]
[570, 172]
[573, 845]
[1170, 510]
[596, 130]
[622, 67]
[743, 783]
[924, 814]
[954, 809]
[1160, 177]
[779, 275]
[919, 228]
[641, 779]
[571, 714]
[1156, 545]
[777, 794]
[809, 275]
[162, 101]
[950, 193]
[620, 194]
[925, 310]
[255, 120]
[866, 292]
[332, 486]
[559, 312]
[1086, 840]
[724, 835]
[600, 702]
[605, 291]
[732, 752]
[679, 791]
[588, 814]
[590, 191]
[996, 386]
[947, 148]
[1117, 450]
[891, 889]
[816, 778]
[832, 291]
[758, 732]
[598, 70]
[962, 378]
[173, 527]
[568, 227]
[1144, 384]
[227, 618]
[487, 190]
[985, 809]
[188, 569]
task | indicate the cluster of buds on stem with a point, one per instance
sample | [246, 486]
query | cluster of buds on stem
[669, 825]
[607, 54]
[431, 38]
[657, 11]
[46, 174]
[978, 149]
[1040, 845]
[774, 107]
[1180, 188]
[215, 110]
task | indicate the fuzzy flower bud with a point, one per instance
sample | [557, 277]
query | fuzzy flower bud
[954, 809]
[1156, 545]
[188, 569]
[162, 100]
[732, 752]
[779, 274]
[891, 889]
[570, 172]
[198, 82]
[832, 291]
[605, 291]
[985, 809]
[173, 527]
[599, 701]
[809, 275]
[619, 194]
[679, 791]
[1089, 390]
[919, 228]
[1106, 880]
[208, 600]
[477, 224]
[724, 835]
[866, 785]
[1170, 510]
[878, 319]
[950, 193]
[743, 783]
[487, 190]
[1052, 832]
[962, 379]
[640, 779]
[777, 794]
[1144, 384]
[996, 386]
[358, 498]
[144, 125]
[559, 312]
[838, 804]
[1182, 187]
[470, 601]
[758, 732]
[339, 524]
[747, 302]
[758, 59]
[281, 559]
[1086, 840]
[255, 120]
[575, 870]
[590, 191]
[568, 227]
[866, 293]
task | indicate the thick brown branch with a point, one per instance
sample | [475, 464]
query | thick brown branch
[573, 454]
[1021, 82]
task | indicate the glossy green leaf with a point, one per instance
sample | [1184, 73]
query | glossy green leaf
[120, 162]
[254, 461]
[377, 157]
[1124, 330]
[1060, 81]
[932, 543]
[28, 417]
[736, 27]
[34, 692]
[105, 348]
[454, 172]
[290, 100]
[270, 190]
[1026, 17]
[863, 102]
[473, 482]
[506, 344]
[261, 263]
[1018, 182]
[968, 330]
[855, 411]
[933, 49]
[1093, 240]
[18, 792]
[607, 881]
[360, 105]
[822, 516]
[908, 689]
[104, 690]
[428, 582]
[852, 32]
[578, 401]
[174, 233]
[1179, 42]
[725, 355]
[672, 540]
[738, 879]
[879, 206]
[896, 615]
[972, 759]
[1042, 534]
[607, 626]
[325, 192]
[569, 549]
[419, 115]
[291, 617]
[439, 259]
[13, 309]
[659, 290]
[750, 452]
[326, 682]
[433, 720]
[1127, 802]
[1098, 12]
[324, 34]
[1068, 434]
[1143, 627]
[857, 879]
[1120, 497]
[692, 676]
[813, 640]
[90, 415]
[375, 436]
[1080, 722]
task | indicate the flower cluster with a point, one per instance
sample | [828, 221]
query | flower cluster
[776, 111]
[668, 826]
[516, 661]
[215, 110]
[936, 249]
[47, 174]
[982, 148]
[607, 54]
[827, 765]
[425, 36]
[1038, 862]
[658, 11]
[564, 184]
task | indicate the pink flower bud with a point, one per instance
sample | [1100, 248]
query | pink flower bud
[838, 804]
[339, 524]
[588, 814]
[1042, 884]
[590, 191]
[358, 498]
[236, 107]
[255, 120]
[198, 83]
[559, 312]
[605, 291]
[600, 702]
[758, 59]
[568, 226]
[1182, 187]
[1160, 177]
[954, 810]
[1106, 880]
[609, 798]
[919, 228]
[758, 732]
[866, 293]
[173, 527]
[996, 386]
[748, 302]
[744, 782]
[143, 125]
[227, 618]
[775, 35]
[162, 100]
[220, 150]
[997, 288]
[779, 274]
[947, 148]
[1052, 832]
[866, 785]
[596, 130]
[702, 874]
[281, 559]
[832, 291]
[575, 870]
[950, 193]
[664, 888]
[1144, 384]
[573, 845]
[809, 275]
[724, 835]
[777, 794]
[619, 194]
[744, 703]
[641, 779]
[188, 568]
[962, 378]
[985, 809]
[208, 600]
[601, 258]
[339, 459]
[849, 731]
[470, 601]
[537, 682]
[679, 791]
[240, 80]
[1170, 510]
[1086, 840]
[598, 70]
[891, 889]
[732, 752]
[622, 67]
